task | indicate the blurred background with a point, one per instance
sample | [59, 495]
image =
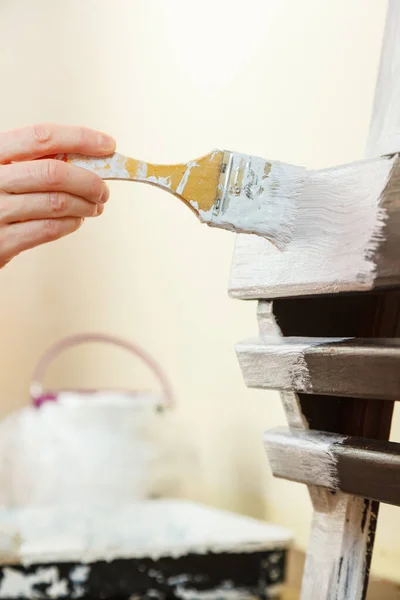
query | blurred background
[171, 80]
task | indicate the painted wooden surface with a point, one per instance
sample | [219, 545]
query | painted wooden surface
[378, 589]
[357, 368]
[363, 467]
[346, 237]
[343, 526]
[255, 576]
[177, 549]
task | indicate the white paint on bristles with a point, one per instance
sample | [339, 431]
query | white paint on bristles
[259, 196]
[287, 367]
[148, 529]
[339, 227]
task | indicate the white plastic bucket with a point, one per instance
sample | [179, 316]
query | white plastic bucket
[85, 446]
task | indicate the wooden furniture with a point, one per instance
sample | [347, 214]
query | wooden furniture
[338, 393]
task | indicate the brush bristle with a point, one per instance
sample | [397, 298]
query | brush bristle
[259, 197]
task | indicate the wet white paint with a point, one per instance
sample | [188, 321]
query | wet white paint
[304, 456]
[16, 584]
[336, 556]
[79, 574]
[115, 167]
[151, 529]
[278, 363]
[260, 197]
[339, 227]
[223, 592]
[109, 167]
[182, 184]
[79, 577]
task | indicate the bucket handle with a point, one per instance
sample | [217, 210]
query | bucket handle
[37, 393]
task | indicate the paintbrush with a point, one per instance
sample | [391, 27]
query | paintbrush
[233, 191]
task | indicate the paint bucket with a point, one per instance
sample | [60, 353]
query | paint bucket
[74, 447]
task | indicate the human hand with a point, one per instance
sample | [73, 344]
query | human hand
[46, 199]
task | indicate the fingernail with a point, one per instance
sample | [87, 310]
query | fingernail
[106, 142]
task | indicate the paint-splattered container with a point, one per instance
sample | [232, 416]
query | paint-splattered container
[151, 550]
[85, 446]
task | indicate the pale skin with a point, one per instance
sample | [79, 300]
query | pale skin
[42, 199]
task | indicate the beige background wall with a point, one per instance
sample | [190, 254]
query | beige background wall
[171, 80]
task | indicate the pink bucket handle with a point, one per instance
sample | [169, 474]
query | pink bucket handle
[38, 395]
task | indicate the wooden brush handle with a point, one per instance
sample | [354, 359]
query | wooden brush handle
[117, 166]
[194, 182]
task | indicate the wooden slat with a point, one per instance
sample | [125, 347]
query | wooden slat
[364, 467]
[354, 367]
[320, 260]
[343, 525]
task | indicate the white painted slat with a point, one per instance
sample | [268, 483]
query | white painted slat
[355, 368]
[346, 237]
[364, 467]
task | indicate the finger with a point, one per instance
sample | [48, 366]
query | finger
[47, 205]
[18, 237]
[41, 140]
[52, 175]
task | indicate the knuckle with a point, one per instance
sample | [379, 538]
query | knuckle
[53, 172]
[58, 202]
[96, 187]
[5, 253]
[42, 134]
[51, 229]
[5, 207]
[77, 223]
[92, 210]
[82, 136]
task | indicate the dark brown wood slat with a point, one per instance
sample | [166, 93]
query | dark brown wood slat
[359, 466]
[357, 367]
